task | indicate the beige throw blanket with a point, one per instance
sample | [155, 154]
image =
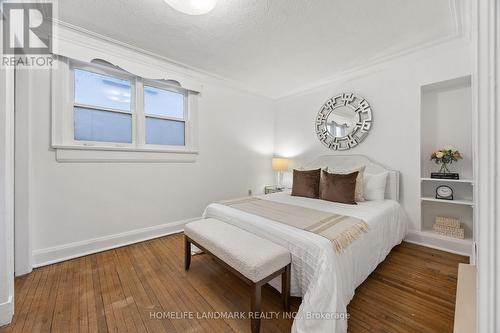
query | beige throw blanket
[339, 229]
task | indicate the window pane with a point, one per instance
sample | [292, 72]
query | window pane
[95, 125]
[102, 90]
[163, 102]
[164, 132]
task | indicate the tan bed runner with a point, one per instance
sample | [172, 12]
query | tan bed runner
[341, 230]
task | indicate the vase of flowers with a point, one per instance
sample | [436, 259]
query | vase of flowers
[444, 157]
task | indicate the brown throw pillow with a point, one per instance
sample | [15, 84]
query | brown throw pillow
[306, 183]
[338, 187]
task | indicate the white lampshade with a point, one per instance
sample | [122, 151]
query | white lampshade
[192, 7]
[280, 164]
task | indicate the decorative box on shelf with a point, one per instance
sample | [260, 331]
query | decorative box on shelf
[448, 221]
[449, 226]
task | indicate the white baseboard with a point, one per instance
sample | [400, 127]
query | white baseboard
[68, 251]
[64, 252]
[6, 312]
[425, 238]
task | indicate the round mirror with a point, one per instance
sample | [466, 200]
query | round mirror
[343, 121]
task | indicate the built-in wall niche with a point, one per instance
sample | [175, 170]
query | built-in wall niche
[446, 119]
[432, 209]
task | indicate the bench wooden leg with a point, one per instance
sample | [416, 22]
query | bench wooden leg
[255, 307]
[285, 287]
[187, 253]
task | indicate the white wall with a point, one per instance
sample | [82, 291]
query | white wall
[24, 174]
[75, 208]
[393, 90]
[6, 195]
[446, 118]
[73, 205]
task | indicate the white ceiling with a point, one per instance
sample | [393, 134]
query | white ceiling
[270, 46]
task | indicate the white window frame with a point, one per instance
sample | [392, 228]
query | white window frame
[168, 87]
[70, 150]
[115, 73]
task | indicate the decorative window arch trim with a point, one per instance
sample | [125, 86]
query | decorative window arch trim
[87, 48]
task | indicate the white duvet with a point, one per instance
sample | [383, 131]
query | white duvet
[325, 280]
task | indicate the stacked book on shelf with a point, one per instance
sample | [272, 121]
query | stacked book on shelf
[447, 175]
[448, 226]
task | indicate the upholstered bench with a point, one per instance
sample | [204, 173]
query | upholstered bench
[254, 259]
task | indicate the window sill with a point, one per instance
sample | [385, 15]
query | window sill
[81, 154]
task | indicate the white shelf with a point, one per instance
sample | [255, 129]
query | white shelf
[466, 181]
[432, 234]
[431, 239]
[452, 202]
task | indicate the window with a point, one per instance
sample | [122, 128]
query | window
[165, 116]
[109, 109]
[102, 107]
[105, 110]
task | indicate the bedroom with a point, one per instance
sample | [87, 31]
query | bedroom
[125, 124]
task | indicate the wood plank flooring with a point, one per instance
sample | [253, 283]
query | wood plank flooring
[122, 290]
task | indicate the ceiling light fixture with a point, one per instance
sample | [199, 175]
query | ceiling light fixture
[192, 7]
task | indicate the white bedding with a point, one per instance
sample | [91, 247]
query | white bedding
[325, 280]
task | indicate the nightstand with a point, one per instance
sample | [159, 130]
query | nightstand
[272, 189]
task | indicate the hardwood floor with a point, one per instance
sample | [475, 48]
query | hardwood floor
[122, 290]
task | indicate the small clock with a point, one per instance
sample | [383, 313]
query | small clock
[444, 192]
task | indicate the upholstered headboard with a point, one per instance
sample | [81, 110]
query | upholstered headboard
[355, 161]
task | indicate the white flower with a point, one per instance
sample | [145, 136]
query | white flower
[439, 154]
[453, 149]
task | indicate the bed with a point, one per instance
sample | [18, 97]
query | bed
[326, 280]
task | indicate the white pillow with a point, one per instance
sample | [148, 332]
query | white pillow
[374, 188]
[359, 191]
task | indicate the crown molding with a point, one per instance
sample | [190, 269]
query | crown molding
[369, 67]
[170, 64]
[459, 11]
